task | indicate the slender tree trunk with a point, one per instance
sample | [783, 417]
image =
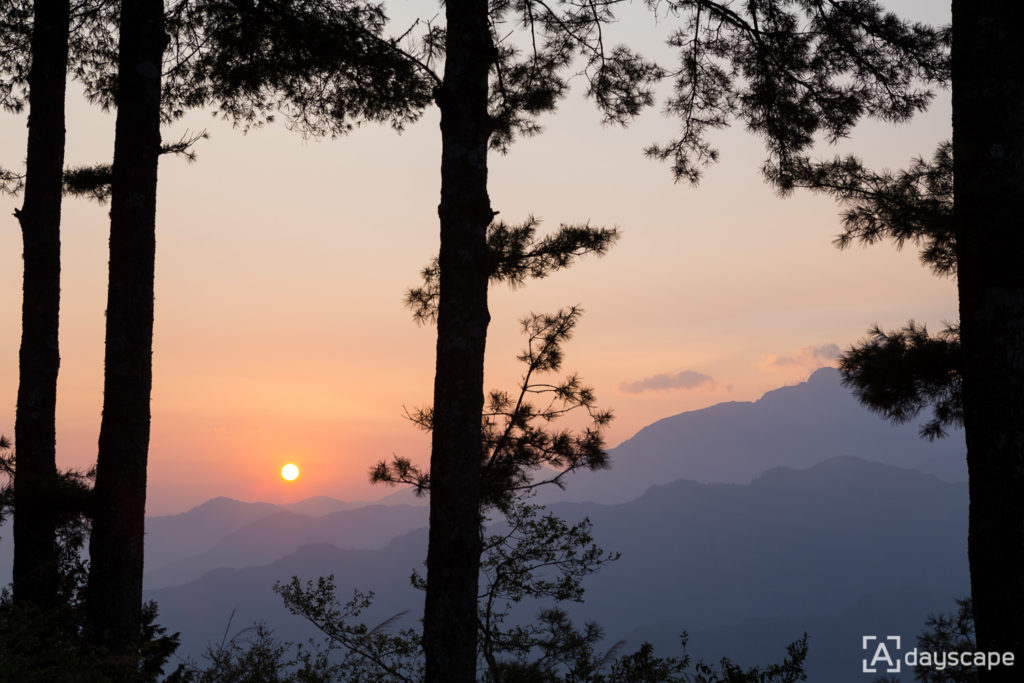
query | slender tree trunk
[35, 480]
[114, 596]
[453, 556]
[988, 145]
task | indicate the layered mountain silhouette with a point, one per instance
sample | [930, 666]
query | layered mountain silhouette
[795, 426]
[226, 602]
[274, 536]
[846, 545]
[206, 531]
[744, 523]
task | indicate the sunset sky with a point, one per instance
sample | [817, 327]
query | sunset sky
[282, 263]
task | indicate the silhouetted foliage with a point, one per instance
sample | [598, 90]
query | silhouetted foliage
[92, 49]
[49, 646]
[366, 654]
[72, 510]
[948, 632]
[94, 182]
[532, 556]
[516, 439]
[794, 71]
[899, 374]
[521, 450]
[517, 254]
[790, 670]
[15, 53]
[326, 66]
[253, 655]
[979, 174]
[561, 652]
[913, 205]
[11, 182]
[45, 645]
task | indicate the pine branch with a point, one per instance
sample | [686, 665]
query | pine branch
[901, 373]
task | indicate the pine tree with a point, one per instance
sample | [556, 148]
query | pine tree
[36, 554]
[962, 208]
[988, 191]
[114, 593]
[789, 71]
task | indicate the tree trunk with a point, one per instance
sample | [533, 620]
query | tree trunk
[35, 479]
[453, 556]
[988, 153]
[114, 595]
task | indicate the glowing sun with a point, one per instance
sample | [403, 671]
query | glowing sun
[290, 472]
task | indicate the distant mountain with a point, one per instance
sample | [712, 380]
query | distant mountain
[735, 442]
[171, 538]
[182, 546]
[403, 495]
[226, 601]
[792, 543]
[317, 506]
[795, 426]
[794, 550]
[280, 533]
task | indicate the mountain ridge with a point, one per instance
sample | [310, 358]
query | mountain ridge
[796, 545]
[735, 441]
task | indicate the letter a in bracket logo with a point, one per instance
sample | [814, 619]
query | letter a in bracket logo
[881, 654]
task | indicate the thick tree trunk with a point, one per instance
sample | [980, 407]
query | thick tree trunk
[35, 482]
[988, 152]
[114, 596]
[453, 556]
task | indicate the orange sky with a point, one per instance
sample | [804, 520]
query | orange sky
[281, 265]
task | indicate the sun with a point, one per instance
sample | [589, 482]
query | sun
[290, 472]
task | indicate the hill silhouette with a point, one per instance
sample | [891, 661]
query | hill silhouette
[818, 548]
[280, 533]
[226, 601]
[795, 426]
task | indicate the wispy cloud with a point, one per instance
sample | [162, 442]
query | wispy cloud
[687, 379]
[808, 356]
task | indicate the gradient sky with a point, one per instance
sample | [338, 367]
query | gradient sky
[282, 263]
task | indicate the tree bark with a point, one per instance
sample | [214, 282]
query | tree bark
[114, 593]
[35, 479]
[988, 153]
[453, 556]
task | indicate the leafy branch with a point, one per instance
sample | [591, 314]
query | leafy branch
[518, 441]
